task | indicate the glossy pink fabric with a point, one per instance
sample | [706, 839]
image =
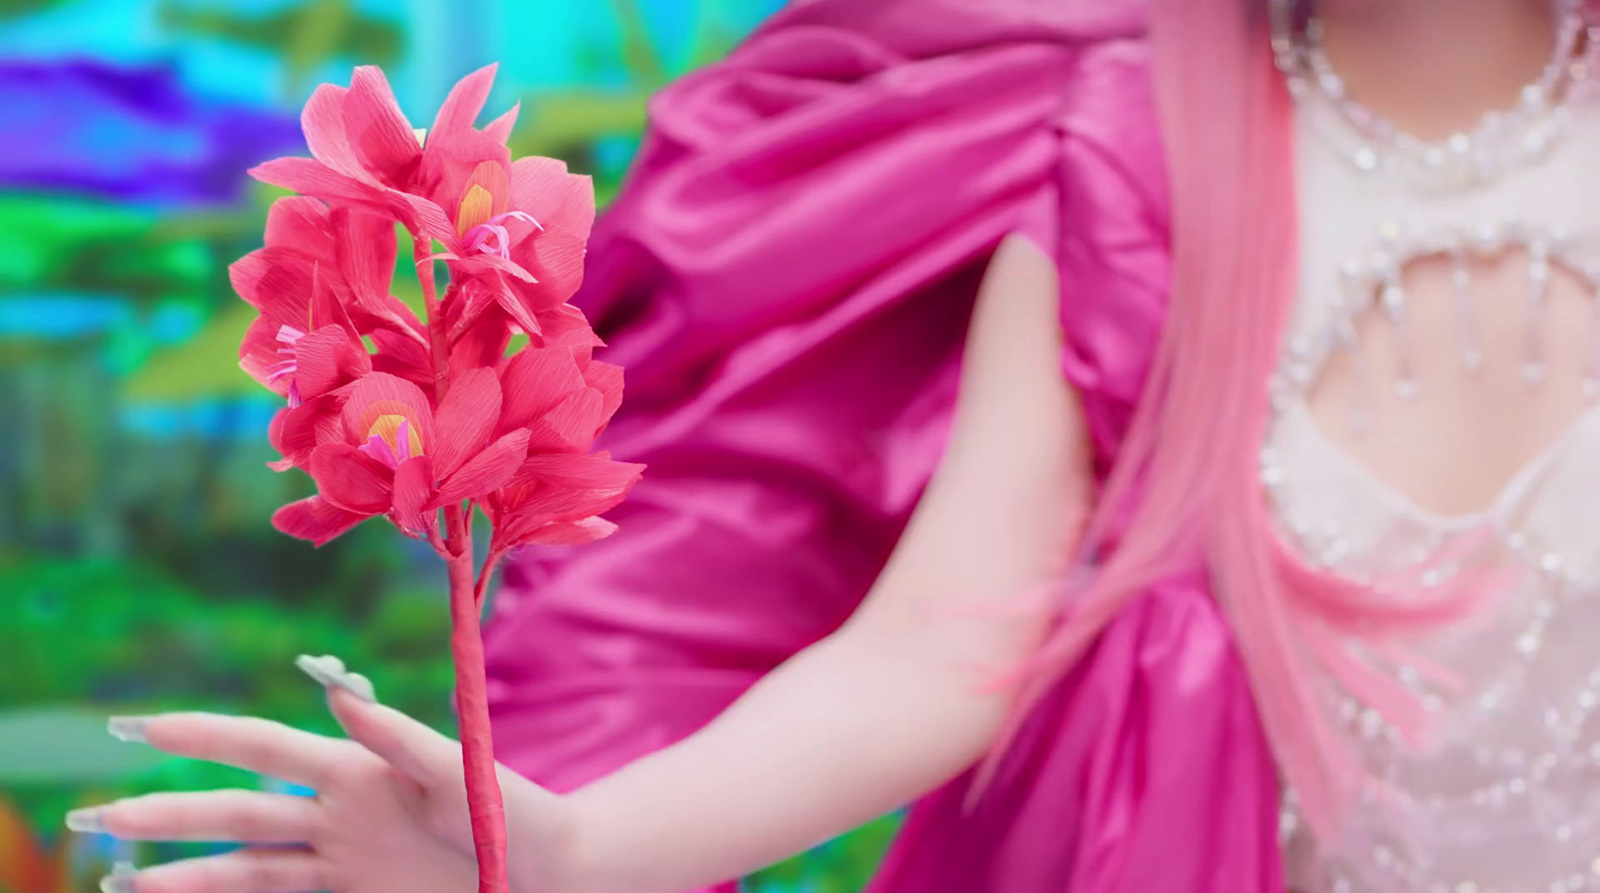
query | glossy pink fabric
[787, 277]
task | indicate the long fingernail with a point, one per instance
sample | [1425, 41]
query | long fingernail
[120, 880]
[128, 728]
[87, 821]
[330, 672]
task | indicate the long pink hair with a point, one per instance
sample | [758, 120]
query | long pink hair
[1186, 489]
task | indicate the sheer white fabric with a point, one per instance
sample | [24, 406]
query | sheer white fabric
[1506, 797]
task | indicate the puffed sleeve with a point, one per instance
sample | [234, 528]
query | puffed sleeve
[787, 276]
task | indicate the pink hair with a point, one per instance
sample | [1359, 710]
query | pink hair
[1186, 489]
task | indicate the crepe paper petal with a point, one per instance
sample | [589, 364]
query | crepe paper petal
[559, 200]
[606, 378]
[557, 264]
[566, 326]
[404, 357]
[379, 402]
[315, 519]
[597, 472]
[461, 107]
[258, 278]
[328, 358]
[512, 304]
[534, 381]
[431, 220]
[526, 506]
[571, 426]
[465, 419]
[475, 299]
[323, 121]
[296, 431]
[575, 533]
[351, 479]
[500, 128]
[483, 345]
[365, 254]
[309, 176]
[378, 131]
[413, 491]
[302, 223]
[487, 471]
[502, 264]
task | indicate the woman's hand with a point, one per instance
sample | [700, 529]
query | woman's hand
[389, 815]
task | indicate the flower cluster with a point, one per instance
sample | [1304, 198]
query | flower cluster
[398, 416]
[420, 420]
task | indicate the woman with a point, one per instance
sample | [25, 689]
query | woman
[1320, 398]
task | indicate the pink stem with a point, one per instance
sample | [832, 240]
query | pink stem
[484, 803]
[485, 575]
[438, 338]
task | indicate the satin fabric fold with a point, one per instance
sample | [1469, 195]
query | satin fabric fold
[787, 276]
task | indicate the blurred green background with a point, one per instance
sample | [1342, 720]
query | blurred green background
[138, 569]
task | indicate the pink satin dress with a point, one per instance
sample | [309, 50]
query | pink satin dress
[787, 277]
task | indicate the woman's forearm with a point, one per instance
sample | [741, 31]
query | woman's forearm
[842, 733]
[893, 703]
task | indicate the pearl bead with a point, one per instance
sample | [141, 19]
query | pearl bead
[1371, 723]
[1528, 645]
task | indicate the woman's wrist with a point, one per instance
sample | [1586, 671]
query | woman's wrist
[541, 839]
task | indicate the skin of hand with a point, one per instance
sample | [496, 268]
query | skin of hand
[389, 814]
[888, 707]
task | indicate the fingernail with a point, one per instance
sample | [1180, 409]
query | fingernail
[128, 728]
[87, 821]
[330, 672]
[120, 880]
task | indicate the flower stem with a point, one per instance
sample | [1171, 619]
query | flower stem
[484, 804]
[485, 575]
[438, 337]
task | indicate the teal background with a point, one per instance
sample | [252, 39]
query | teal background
[138, 570]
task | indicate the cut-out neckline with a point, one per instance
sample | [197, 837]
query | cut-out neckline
[1505, 497]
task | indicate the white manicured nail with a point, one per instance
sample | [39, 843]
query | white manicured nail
[87, 821]
[128, 728]
[120, 880]
[330, 672]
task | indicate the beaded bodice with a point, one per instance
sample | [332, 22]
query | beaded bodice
[1506, 797]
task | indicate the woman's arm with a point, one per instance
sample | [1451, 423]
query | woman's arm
[884, 709]
[892, 704]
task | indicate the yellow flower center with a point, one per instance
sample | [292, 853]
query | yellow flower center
[477, 206]
[388, 428]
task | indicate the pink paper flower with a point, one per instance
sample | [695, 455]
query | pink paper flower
[564, 399]
[513, 233]
[552, 253]
[427, 421]
[393, 455]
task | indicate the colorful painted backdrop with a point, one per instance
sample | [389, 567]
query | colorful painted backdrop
[137, 567]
